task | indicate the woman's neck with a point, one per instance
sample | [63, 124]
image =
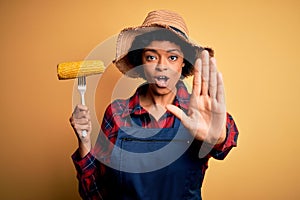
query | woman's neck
[155, 104]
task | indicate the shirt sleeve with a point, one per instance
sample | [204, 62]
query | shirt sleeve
[88, 174]
[91, 172]
[220, 151]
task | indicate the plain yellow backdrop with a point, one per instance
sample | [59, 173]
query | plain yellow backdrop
[257, 50]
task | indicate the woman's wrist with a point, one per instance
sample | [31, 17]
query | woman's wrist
[84, 148]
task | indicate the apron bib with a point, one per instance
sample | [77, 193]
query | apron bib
[155, 164]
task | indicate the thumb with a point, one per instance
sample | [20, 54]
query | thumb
[177, 112]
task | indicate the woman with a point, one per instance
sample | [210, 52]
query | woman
[157, 143]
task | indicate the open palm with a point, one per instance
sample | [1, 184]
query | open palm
[206, 114]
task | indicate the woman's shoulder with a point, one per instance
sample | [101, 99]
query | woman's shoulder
[117, 106]
[123, 106]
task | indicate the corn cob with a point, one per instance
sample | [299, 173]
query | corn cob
[70, 70]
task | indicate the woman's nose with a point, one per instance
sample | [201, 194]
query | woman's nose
[162, 64]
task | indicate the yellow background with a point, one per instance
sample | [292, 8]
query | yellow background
[257, 48]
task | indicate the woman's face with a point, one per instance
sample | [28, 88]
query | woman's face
[162, 63]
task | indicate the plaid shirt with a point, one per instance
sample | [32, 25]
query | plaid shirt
[90, 171]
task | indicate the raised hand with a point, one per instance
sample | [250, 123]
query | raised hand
[206, 115]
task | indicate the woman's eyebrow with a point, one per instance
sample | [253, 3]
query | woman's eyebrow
[172, 50]
[168, 50]
[149, 49]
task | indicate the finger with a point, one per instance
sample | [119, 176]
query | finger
[81, 114]
[177, 112]
[197, 78]
[80, 128]
[212, 78]
[76, 124]
[86, 127]
[80, 108]
[82, 121]
[205, 72]
[220, 88]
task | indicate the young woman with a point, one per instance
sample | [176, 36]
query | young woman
[157, 143]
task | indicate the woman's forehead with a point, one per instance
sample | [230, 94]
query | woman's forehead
[164, 46]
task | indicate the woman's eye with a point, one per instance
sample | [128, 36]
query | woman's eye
[150, 58]
[173, 58]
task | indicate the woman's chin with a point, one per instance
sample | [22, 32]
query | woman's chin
[159, 89]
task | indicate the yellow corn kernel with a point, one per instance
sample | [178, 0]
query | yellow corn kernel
[71, 70]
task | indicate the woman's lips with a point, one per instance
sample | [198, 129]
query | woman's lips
[161, 81]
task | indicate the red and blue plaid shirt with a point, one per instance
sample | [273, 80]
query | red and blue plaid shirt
[90, 170]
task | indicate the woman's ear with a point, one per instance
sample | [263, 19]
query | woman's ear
[183, 64]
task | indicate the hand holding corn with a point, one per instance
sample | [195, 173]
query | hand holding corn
[80, 119]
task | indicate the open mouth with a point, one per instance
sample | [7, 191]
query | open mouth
[161, 81]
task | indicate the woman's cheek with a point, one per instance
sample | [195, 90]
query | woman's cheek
[148, 72]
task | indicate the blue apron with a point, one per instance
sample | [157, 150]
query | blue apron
[155, 164]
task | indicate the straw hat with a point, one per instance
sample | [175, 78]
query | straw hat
[155, 20]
